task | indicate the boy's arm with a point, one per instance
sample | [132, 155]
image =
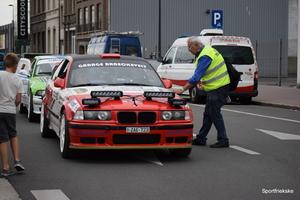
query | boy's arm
[18, 99]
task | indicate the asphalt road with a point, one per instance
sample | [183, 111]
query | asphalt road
[263, 162]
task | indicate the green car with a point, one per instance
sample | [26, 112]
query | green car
[35, 77]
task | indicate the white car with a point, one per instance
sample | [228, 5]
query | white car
[35, 75]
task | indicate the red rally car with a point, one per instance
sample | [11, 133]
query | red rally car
[109, 101]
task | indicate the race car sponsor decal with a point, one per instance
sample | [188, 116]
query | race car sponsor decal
[74, 105]
[80, 90]
[44, 79]
[97, 64]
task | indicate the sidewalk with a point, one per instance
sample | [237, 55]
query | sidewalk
[284, 96]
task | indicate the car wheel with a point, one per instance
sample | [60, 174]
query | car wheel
[31, 116]
[245, 100]
[46, 132]
[22, 109]
[180, 152]
[194, 96]
[64, 140]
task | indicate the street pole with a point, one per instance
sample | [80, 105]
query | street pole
[159, 29]
[298, 57]
[13, 27]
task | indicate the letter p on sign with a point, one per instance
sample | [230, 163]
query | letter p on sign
[217, 19]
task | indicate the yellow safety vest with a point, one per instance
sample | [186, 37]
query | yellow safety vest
[216, 75]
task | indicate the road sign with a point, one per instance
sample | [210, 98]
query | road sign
[217, 19]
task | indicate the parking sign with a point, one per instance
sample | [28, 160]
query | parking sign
[217, 19]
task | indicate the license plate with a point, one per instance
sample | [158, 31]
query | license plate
[137, 129]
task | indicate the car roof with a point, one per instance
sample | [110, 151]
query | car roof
[96, 56]
[49, 57]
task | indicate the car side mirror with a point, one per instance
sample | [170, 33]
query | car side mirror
[167, 83]
[159, 59]
[59, 82]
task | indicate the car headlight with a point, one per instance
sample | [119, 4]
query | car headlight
[92, 115]
[40, 93]
[175, 115]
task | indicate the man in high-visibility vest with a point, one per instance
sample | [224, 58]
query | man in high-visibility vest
[211, 70]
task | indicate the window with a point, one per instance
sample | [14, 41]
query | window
[92, 16]
[86, 14]
[131, 50]
[169, 57]
[236, 54]
[80, 16]
[183, 55]
[99, 15]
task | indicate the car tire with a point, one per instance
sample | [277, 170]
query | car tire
[22, 109]
[185, 152]
[32, 117]
[195, 97]
[64, 138]
[46, 132]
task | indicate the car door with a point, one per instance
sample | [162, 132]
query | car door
[23, 72]
[53, 94]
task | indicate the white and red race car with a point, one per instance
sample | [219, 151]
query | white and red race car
[109, 101]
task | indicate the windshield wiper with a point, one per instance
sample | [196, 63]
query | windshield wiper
[48, 73]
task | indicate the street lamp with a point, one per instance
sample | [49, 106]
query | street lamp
[13, 27]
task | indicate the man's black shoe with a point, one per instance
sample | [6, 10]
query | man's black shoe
[196, 142]
[220, 145]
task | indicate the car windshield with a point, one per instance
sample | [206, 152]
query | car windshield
[112, 72]
[44, 68]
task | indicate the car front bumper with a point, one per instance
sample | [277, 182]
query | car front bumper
[83, 136]
[37, 104]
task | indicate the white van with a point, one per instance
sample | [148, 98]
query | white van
[177, 66]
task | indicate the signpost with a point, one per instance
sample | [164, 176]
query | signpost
[217, 19]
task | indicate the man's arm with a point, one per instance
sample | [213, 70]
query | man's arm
[18, 99]
[202, 66]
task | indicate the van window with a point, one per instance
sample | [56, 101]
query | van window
[238, 55]
[99, 48]
[131, 50]
[93, 40]
[90, 50]
[169, 56]
[183, 55]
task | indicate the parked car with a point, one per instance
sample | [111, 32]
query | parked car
[35, 76]
[110, 101]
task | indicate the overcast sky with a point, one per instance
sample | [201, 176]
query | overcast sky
[5, 12]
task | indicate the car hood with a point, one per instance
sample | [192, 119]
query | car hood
[133, 97]
[38, 83]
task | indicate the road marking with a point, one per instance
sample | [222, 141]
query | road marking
[257, 115]
[244, 150]
[146, 155]
[49, 195]
[280, 135]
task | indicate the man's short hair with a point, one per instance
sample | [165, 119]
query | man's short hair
[10, 60]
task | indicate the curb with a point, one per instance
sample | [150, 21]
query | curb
[277, 105]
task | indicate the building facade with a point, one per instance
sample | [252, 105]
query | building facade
[64, 26]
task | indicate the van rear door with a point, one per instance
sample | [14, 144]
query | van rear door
[239, 51]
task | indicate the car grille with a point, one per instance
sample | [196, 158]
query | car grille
[136, 117]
